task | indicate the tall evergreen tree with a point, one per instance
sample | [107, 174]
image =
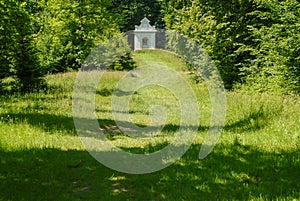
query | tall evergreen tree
[18, 56]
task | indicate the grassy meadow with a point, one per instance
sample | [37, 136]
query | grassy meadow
[42, 158]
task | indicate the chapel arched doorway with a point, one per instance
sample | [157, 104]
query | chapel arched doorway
[145, 42]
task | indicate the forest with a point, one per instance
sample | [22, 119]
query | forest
[255, 44]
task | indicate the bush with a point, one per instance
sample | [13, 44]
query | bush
[124, 63]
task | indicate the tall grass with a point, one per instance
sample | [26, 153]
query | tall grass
[42, 158]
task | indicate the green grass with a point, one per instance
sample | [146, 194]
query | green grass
[42, 158]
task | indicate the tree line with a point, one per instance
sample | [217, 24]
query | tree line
[255, 44]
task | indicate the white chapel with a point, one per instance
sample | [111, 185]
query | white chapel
[144, 35]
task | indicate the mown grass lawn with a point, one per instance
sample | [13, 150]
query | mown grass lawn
[42, 158]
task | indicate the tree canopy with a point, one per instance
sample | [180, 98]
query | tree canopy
[254, 43]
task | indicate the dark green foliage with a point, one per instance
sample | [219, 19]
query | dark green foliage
[71, 29]
[276, 64]
[28, 72]
[220, 27]
[124, 63]
[133, 11]
[18, 57]
[113, 54]
[8, 34]
[256, 42]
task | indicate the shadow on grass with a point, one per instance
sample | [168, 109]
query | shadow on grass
[47, 122]
[230, 172]
[255, 120]
[113, 91]
[104, 92]
[52, 122]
